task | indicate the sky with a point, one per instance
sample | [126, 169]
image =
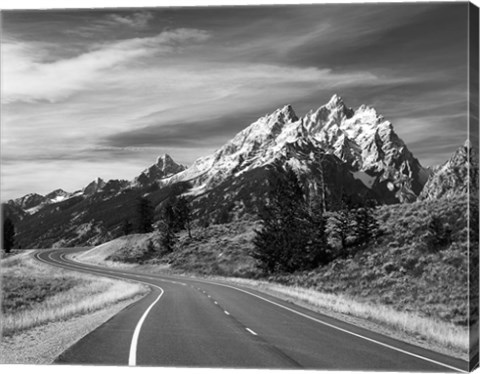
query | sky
[102, 93]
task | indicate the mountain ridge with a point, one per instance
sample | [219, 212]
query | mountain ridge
[335, 149]
[459, 174]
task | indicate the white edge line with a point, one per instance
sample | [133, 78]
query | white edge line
[251, 331]
[339, 328]
[132, 358]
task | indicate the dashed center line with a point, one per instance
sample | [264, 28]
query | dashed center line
[215, 303]
[226, 312]
[251, 331]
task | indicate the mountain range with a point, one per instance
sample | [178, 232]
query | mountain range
[335, 150]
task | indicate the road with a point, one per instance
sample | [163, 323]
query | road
[189, 322]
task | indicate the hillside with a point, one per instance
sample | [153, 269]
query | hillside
[398, 270]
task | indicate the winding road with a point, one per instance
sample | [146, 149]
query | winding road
[189, 322]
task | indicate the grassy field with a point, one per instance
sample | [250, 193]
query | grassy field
[33, 294]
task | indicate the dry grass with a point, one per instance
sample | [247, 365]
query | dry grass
[129, 245]
[43, 296]
[445, 334]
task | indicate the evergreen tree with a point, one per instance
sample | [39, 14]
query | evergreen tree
[291, 237]
[267, 243]
[351, 226]
[127, 227]
[317, 251]
[145, 215]
[339, 231]
[8, 237]
[168, 227]
[182, 209]
[366, 226]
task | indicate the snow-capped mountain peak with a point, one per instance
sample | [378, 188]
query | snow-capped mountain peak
[328, 116]
[335, 101]
[28, 201]
[361, 138]
[57, 195]
[167, 166]
[94, 186]
[164, 167]
[282, 115]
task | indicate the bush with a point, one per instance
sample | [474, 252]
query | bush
[438, 235]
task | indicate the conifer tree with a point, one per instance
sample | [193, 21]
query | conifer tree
[317, 251]
[182, 209]
[145, 215]
[291, 237]
[338, 229]
[168, 227]
[127, 227]
[8, 237]
[366, 226]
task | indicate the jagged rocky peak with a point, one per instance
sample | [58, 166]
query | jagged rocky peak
[94, 186]
[261, 134]
[268, 126]
[367, 141]
[286, 114]
[28, 201]
[361, 138]
[57, 194]
[164, 167]
[454, 176]
[462, 155]
[335, 101]
[330, 115]
[169, 167]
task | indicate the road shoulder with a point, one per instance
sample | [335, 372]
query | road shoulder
[42, 344]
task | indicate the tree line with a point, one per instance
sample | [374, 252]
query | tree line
[175, 215]
[297, 234]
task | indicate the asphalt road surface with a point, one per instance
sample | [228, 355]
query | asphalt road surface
[188, 322]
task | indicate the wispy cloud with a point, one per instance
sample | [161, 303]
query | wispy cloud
[113, 23]
[28, 78]
[138, 20]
